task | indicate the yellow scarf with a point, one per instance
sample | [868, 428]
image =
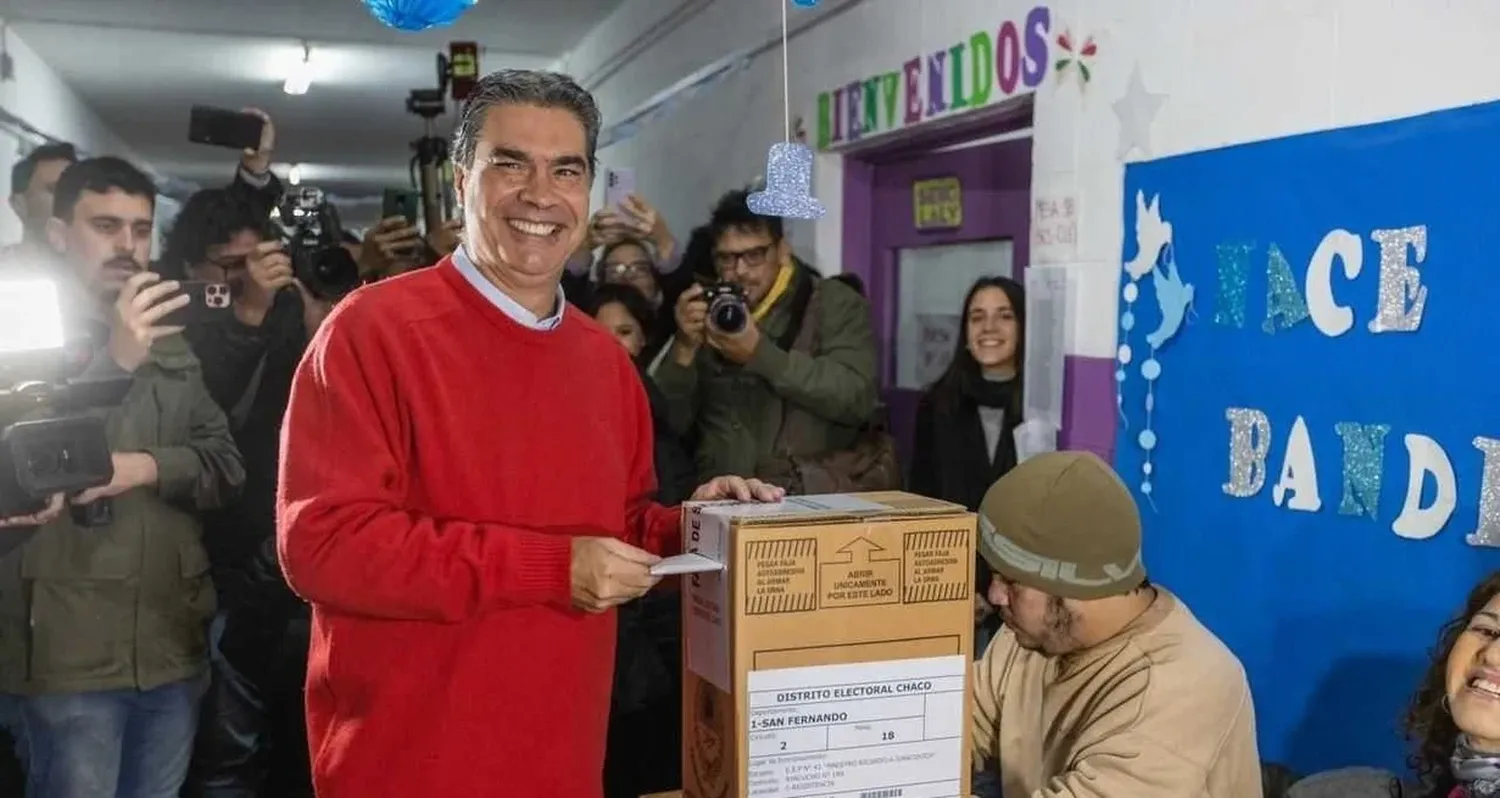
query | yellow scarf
[783, 279]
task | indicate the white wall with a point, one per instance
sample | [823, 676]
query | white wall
[1232, 72]
[38, 96]
[714, 143]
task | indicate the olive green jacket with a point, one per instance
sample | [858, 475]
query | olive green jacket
[127, 605]
[737, 411]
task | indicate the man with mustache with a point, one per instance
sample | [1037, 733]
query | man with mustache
[102, 650]
[1100, 683]
[466, 487]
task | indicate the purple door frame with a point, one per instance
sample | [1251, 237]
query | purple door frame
[877, 221]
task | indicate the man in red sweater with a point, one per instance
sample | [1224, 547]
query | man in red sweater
[466, 489]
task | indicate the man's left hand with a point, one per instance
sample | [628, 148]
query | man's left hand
[739, 347]
[132, 470]
[739, 489]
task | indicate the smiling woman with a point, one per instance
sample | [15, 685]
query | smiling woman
[1454, 720]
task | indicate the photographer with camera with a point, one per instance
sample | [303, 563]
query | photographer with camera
[103, 623]
[774, 367]
[252, 716]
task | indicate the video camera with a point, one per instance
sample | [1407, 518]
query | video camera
[312, 235]
[50, 442]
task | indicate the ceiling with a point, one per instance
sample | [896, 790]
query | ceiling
[142, 64]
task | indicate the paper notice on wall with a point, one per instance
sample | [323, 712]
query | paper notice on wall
[1047, 319]
[706, 594]
[859, 729]
[938, 335]
[1054, 229]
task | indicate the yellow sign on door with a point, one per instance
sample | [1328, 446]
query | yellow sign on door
[938, 203]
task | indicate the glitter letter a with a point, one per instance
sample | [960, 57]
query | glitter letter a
[1284, 303]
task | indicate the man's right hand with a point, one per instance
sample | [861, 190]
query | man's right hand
[691, 313]
[268, 269]
[53, 509]
[608, 572]
[144, 301]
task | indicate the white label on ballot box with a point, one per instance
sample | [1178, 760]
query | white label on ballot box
[851, 731]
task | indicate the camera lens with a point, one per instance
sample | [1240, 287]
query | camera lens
[728, 314]
[334, 271]
[48, 461]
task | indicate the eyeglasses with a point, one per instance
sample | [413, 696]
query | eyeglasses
[627, 269]
[754, 257]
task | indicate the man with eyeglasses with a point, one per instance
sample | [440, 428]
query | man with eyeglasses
[253, 710]
[791, 393]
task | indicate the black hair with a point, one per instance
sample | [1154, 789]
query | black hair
[732, 212]
[524, 87]
[638, 243]
[963, 373]
[25, 169]
[629, 297]
[99, 176]
[698, 254]
[209, 218]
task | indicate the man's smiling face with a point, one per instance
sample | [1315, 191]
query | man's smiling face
[526, 194]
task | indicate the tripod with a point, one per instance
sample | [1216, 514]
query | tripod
[427, 165]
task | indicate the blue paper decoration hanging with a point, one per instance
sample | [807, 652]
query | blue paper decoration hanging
[417, 15]
[788, 191]
[1156, 256]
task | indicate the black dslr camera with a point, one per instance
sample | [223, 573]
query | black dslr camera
[728, 309]
[51, 440]
[312, 235]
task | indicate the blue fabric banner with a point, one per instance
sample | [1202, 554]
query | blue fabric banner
[1309, 414]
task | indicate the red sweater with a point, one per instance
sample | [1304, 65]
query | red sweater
[438, 458]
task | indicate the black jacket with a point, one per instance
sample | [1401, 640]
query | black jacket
[249, 372]
[949, 460]
[675, 470]
[647, 659]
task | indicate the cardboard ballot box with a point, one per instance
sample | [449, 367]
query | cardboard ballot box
[830, 656]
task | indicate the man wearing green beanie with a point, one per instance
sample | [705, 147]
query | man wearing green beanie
[1101, 684]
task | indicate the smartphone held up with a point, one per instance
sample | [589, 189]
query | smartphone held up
[208, 303]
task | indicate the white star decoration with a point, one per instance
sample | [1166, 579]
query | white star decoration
[1136, 110]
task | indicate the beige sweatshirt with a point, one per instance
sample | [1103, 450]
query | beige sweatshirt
[1162, 709]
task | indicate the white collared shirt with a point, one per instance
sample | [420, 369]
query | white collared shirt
[501, 300]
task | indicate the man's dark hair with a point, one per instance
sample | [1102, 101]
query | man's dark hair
[25, 169]
[100, 176]
[524, 87]
[732, 212]
[209, 218]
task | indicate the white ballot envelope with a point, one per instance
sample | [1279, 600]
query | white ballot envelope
[686, 564]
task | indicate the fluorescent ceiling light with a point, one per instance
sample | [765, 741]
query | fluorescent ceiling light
[301, 78]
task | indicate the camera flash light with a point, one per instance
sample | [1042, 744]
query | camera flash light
[30, 316]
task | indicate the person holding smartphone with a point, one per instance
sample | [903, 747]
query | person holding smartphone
[251, 739]
[103, 656]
